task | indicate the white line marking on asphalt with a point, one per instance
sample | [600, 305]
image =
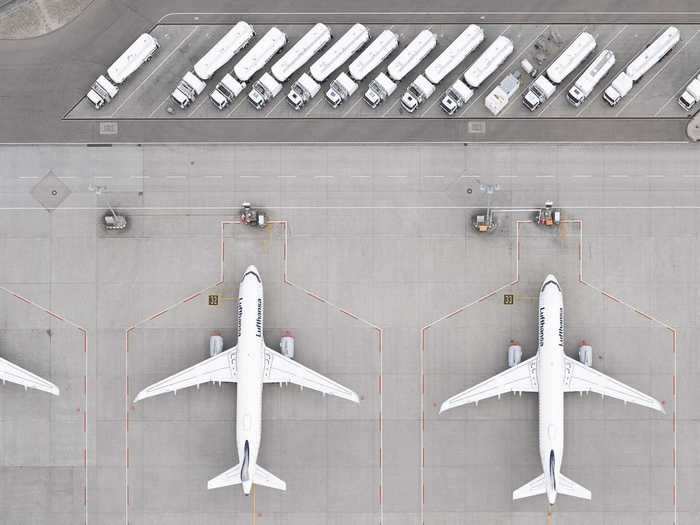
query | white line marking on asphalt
[671, 59]
[154, 72]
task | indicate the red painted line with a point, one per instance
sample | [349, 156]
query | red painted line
[454, 313]
[674, 386]
[55, 315]
[349, 313]
[191, 297]
[674, 494]
[22, 298]
[381, 495]
[156, 316]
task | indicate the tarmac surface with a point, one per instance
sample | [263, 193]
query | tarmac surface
[147, 95]
[45, 76]
[371, 256]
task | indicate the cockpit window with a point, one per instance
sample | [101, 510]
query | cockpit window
[253, 274]
[550, 282]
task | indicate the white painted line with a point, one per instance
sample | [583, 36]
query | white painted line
[568, 86]
[323, 176]
[393, 105]
[213, 176]
[352, 107]
[671, 59]
[196, 108]
[678, 93]
[397, 176]
[619, 176]
[509, 65]
[582, 176]
[605, 84]
[275, 106]
[155, 70]
[320, 99]
[544, 176]
[234, 108]
[472, 14]
[158, 107]
[433, 176]
[249, 176]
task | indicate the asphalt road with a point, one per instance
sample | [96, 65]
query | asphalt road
[44, 76]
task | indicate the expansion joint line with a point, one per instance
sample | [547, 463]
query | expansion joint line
[82, 330]
[289, 282]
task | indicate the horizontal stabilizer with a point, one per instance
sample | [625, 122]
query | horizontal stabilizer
[230, 477]
[531, 488]
[233, 477]
[571, 488]
[266, 479]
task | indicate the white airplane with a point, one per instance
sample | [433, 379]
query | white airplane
[551, 373]
[250, 364]
[15, 374]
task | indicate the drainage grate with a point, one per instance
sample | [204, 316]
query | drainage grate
[50, 191]
[109, 128]
[477, 126]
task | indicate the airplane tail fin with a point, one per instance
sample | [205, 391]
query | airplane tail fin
[531, 488]
[260, 476]
[571, 488]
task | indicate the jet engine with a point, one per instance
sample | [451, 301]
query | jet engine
[585, 354]
[287, 345]
[216, 345]
[515, 354]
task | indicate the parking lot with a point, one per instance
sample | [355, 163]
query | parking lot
[146, 94]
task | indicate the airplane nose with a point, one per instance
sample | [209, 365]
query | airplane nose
[252, 269]
[550, 277]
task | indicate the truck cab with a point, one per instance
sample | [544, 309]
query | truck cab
[691, 95]
[455, 97]
[539, 91]
[419, 90]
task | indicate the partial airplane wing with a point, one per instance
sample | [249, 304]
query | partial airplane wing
[281, 369]
[218, 369]
[15, 374]
[520, 378]
[581, 378]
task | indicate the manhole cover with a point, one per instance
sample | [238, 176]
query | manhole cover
[50, 191]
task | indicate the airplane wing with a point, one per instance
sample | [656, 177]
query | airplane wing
[581, 378]
[15, 374]
[520, 378]
[218, 369]
[281, 369]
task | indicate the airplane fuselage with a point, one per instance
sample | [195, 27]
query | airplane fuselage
[250, 365]
[550, 378]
